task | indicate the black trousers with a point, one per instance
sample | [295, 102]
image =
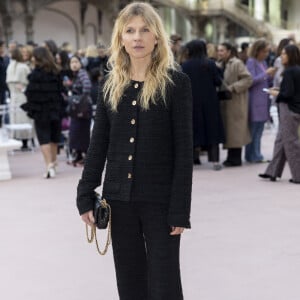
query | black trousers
[146, 256]
[234, 155]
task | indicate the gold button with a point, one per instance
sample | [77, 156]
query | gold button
[131, 140]
[132, 121]
[130, 157]
[136, 85]
[134, 102]
[129, 175]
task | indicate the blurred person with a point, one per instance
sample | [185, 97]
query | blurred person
[277, 63]
[45, 105]
[243, 54]
[208, 130]
[92, 56]
[176, 44]
[4, 61]
[234, 111]
[270, 59]
[81, 54]
[63, 61]
[26, 51]
[287, 144]
[79, 134]
[212, 51]
[95, 77]
[12, 44]
[66, 46]
[51, 46]
[16, 79]
[143, 129]
[103, 56]
[259, 101]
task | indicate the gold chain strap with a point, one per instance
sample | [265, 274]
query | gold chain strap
[93, 235]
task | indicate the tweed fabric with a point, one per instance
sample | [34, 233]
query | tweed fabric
[287, 144]
[146, 256]
[149, 153]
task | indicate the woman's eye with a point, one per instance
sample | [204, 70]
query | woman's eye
[129, 30]
[146, 30]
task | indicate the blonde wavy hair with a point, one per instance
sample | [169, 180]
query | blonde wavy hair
[157, 75]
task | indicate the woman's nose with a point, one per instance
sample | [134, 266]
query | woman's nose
[137, 35]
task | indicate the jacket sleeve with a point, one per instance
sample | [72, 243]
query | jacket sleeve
[257, 78]
[287, 89]
[244, 79]
[95, 159]
[181, 109]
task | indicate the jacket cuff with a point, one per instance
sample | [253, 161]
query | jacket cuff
[179, 220]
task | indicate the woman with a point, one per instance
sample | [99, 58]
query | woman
[45, 105]
[235, 110]
[208, 129]
[80, 125]
[143, 129]
[259, 102]
[26, 51]
[16, 79]
[278, 64]
[287, 144]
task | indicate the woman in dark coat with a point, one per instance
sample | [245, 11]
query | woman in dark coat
[80, 126]
[143, 131]
[45, 105]
[287, 144]
[207, 122]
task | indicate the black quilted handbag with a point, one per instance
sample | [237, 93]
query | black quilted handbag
[102, 215]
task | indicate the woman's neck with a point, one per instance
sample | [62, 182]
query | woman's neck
[138, 69]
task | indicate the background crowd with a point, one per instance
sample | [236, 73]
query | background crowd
[231, 88]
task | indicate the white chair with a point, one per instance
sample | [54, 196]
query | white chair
[11, 127]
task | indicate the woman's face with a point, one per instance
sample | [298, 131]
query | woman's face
[138, 40]
[263, 54]
[25, 54]
[58, 59]
[284, 57]
[223, 53]
[75, 64]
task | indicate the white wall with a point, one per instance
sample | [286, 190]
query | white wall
[61, 22]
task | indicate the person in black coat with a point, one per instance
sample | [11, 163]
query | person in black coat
[45, 105]
[143, 132]
[207, 122]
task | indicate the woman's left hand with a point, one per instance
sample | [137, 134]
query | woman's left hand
[176, 230]
[273, 92]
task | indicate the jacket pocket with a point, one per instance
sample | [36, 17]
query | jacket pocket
[111, 187]
[112, 177]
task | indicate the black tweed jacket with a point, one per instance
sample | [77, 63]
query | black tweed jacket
[148, 154]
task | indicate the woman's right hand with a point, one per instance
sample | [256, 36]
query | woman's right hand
[271, 71]
[88, 218]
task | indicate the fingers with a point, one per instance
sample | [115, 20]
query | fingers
[177, 230]
[88, 218]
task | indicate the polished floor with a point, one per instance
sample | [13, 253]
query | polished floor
[244, 243]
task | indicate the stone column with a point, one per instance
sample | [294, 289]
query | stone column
[7, 26]
[29, 27]
[259, 10]
[275, 12]
[198, 26]
[222, 29]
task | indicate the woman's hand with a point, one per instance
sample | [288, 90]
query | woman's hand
[88, 218]
[273, 92]
[176, 230]
[271, 71]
